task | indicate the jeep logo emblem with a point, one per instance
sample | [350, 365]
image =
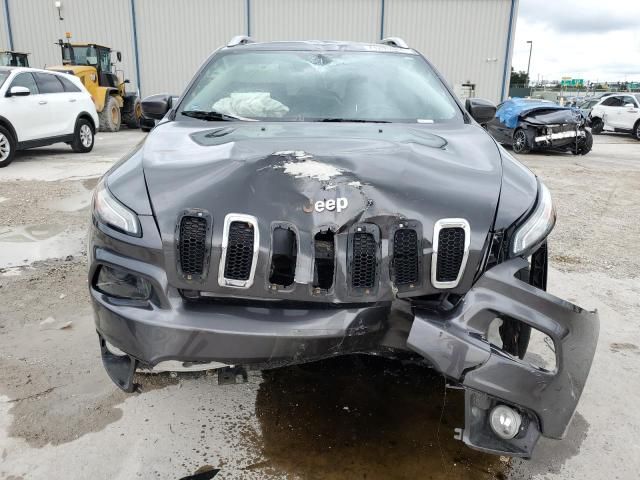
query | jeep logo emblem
[330, 205]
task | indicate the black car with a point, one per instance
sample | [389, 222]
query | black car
[527, 124]
[303, 200]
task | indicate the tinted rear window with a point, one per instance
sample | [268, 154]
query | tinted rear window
[48, 83]
[68, 85]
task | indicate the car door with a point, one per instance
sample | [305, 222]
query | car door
[499, 130]
[628, 114]
[58, 104]
[611, 107]
[28, 114]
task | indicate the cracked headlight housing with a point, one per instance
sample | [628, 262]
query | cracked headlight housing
[537, 226]
[109, 211]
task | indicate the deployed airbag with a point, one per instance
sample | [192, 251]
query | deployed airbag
[251, 104]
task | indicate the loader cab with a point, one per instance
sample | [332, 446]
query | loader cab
[93, 55]
[13, 59]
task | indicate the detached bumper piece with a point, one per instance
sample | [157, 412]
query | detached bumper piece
[543, 400]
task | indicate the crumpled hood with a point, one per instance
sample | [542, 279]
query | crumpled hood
[277, 171]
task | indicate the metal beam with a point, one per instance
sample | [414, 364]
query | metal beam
[7, 20]
[134, 31]
[507, 70]
[248, 11]
[381, 19]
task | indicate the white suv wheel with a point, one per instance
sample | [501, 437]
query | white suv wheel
[5, 148]
[86, 136]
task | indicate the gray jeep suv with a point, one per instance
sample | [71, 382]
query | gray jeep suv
[303, 200]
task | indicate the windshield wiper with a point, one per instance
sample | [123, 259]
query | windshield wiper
[355, 120]
[213, 116]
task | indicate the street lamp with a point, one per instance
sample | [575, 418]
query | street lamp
[530, 42]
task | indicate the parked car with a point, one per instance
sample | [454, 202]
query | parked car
[527, 125]
[38, 108]
[298, 197]
[586, 106]
[617, 113]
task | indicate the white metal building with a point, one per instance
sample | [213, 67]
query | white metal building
[164, 41]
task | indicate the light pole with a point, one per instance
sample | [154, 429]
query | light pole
[530, 42]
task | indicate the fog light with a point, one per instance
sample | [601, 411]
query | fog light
[122, 284]
[505, 421]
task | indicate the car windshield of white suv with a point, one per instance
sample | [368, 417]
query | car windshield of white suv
[314, 86]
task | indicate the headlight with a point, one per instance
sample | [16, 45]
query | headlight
[537, 226]
[111, 212]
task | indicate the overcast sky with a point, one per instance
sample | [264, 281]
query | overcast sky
[597, 40]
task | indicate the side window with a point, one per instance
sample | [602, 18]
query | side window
[617, 102]
[25, 80]
[626, 100]
[68, 85]
[48, 83]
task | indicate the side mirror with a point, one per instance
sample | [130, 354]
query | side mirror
[157, 106]
[629, 105]
[481, 110]
[119, 56]
[18, 92]
[126, 80]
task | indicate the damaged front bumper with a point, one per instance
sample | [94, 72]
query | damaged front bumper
[455, 343]
[457, 346]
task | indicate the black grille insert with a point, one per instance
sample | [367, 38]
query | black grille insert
[239, 251]
[364, 261]
[284, 252]
[450, 253]
[405, 257]
[192, 245]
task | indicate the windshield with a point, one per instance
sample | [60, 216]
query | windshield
[330, 86]
[83, 55]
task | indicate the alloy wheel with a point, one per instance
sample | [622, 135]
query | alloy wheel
[5, 148]
[86, 136]
[519, 141]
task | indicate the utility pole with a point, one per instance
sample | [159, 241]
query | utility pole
[530, 42]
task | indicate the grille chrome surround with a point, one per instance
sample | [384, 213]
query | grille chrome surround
[223, 281]
[442, 224]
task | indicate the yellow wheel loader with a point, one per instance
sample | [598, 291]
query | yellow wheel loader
[92, 64]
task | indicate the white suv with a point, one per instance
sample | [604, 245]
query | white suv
[617, 113]
[38, 107]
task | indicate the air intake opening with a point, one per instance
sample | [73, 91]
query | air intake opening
[192, 245]
[324, 255]
[284, 252]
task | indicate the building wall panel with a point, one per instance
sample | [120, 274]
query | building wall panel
[175, 37]
[36, 28]
[465, 39]
[357, 20]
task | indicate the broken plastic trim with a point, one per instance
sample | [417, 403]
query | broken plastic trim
[120, 368]
[284, 254]
[324, 259]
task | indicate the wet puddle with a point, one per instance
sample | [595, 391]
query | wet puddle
[26, 244]
[366, 418]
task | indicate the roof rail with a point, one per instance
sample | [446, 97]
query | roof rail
[240, 40]
[394, 42]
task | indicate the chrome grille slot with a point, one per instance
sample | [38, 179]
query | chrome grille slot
[450, 252]
[240, 244]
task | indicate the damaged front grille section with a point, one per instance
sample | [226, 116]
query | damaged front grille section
[451, 238]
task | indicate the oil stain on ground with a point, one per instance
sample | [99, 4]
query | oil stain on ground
[365, 418]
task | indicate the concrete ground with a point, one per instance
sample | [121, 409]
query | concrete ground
[61, 417]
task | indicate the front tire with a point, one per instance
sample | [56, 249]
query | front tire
[132, 118]
[585, 145]
[83, 136]
[520, 142]
[636, 130]
[7, 147]
[596, 126]
[110, 116]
